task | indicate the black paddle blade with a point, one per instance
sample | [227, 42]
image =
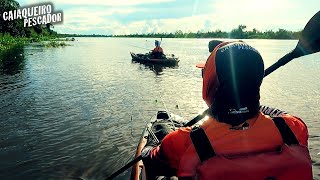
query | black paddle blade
[213, 44]
[309, 41]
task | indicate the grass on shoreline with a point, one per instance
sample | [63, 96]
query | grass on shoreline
[7, 41]
[55, 44]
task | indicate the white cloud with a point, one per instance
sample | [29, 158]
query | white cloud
[263, 15]
[188, 24]
[224, 15]
[103, 2]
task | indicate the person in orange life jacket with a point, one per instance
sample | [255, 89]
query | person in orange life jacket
[157, 52]
[241, 139]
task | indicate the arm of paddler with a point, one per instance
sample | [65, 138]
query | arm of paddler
[164, 159]
[154, 158]
[298, 127]
[155, 162]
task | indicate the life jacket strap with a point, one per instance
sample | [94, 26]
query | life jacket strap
[201, 143]
[204, 148]
[287, 135]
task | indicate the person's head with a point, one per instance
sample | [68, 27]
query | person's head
[232, 76]
[156, 43]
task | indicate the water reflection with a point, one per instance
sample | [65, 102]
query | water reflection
[156, 68]
[78, 112]
[12, 60]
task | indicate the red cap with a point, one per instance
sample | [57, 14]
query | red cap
[200, 65]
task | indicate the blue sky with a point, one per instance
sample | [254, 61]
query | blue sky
[112, 17]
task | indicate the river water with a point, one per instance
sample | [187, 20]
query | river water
[78, 111]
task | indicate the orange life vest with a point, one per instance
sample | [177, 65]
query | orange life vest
[158, 49]
[258, 152]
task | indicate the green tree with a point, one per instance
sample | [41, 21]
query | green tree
[283, 34]
[16, 28]
[239, 32]
[8, 26]
[179, 34]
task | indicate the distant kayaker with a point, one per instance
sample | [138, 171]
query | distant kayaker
[157, 52]
[240, 139]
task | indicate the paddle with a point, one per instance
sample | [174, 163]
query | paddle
[131, 163]
[137, 159]
[137, 47]
[308, 43]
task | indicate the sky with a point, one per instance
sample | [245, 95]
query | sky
[120, 17]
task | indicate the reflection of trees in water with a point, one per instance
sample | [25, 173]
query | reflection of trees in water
[156, 68]
[12, 60]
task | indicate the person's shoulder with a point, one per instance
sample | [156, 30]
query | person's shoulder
[175, 144]
[295, 123]
[177, 140]
[181, 134]
[298, 127]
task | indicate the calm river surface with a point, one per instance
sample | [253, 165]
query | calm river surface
[78, 111]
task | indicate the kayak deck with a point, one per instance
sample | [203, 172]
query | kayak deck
[146, 58]
[138, 170]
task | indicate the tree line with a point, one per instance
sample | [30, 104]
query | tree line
[16, 29]
[237, 33]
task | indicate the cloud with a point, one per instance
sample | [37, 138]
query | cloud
[145, 16]
[103, 2]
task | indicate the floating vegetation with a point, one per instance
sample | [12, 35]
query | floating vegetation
[55, 44]
[64, 39]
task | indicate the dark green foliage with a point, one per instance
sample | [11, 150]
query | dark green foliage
[238, 33]
[13, 32]
[15, 28]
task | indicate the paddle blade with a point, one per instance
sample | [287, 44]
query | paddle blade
[309, 41]
[213, 44]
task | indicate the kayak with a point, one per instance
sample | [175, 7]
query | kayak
[147, 58]
[138, 170]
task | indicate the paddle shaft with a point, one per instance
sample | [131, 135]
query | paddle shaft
[309, 43]
[137, 47]
[131, 163]
[196, 119]
[284, 60]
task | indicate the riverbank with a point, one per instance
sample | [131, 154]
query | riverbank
[7, 41]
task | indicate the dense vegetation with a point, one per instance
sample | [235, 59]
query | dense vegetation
[82, 35]
[13, 32]
[238, 33]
